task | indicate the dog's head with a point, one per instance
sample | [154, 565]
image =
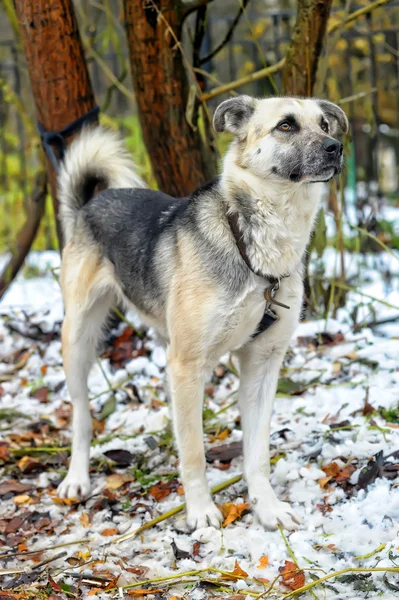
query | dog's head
[291, 139]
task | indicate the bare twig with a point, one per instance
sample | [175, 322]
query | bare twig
[227, 87]
[356, 14]
[173, 512]
[228, 35]
[279, 65]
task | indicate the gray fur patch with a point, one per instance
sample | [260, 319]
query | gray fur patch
[231, 115]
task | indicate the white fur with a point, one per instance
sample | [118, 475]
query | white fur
[94, 151]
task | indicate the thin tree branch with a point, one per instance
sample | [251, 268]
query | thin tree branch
[222, 89]
[227, 87]
[356, 14]
[190, 7]
[229, 34]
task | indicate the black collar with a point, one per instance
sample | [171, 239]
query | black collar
[274, 283]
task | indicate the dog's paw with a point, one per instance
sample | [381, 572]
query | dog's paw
[74, 486]
[274, 513]
[203, 515]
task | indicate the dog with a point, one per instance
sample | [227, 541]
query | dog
[215, 272]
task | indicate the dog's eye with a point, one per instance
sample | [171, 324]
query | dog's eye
[324, 126]
[284, 126]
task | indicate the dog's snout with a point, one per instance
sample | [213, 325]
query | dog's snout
[333, 147]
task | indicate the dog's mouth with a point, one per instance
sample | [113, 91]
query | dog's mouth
[323, 175]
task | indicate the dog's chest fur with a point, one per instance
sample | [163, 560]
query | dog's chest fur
[276, 223]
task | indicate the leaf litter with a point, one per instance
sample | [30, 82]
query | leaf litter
[333, 446]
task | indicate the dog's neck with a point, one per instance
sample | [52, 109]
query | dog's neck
[276, 218]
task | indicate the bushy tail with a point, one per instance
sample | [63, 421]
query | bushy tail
[97, 157]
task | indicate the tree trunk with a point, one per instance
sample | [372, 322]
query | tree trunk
[57, 69]
[299, 73]
[180, 159]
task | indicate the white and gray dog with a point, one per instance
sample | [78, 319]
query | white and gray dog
[218, 271]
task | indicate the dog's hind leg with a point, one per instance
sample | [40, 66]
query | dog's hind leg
[88, 299]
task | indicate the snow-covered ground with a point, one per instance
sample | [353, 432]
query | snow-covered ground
[337, 409]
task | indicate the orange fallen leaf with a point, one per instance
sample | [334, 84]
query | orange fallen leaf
[323, 481]
[22, 547]
[180, 490]
[263, 562]
[237, 573]
[4, 448]
[21, 499]
[293, 578]
[84, 519]
[262, 579]
[222, 435]
[345, 473]
[331, 469]
[27, 464]
[116, 481]
[110, 531]
[95, 591]
[43, 369]
[231, 512]
[161, 490]
[63, 501]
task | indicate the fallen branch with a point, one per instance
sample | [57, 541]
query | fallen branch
[171, 513]
[26, 236]
[309, 586]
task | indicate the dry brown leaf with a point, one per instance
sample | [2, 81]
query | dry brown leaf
[27, 464]
[116, 481]
[84, 519]
[262, 579]
[237, 573]
[331, 469]
[95, 591]
[4, 451]
[110, 531]
[323, 481]
[231, 512]
[345, 474]
[293, 578]
[263, 562]
[161, 490]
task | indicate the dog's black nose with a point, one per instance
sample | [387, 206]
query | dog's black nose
[333, 147]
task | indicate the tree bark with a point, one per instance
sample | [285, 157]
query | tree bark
[299, 72]
[181, 161]
[57, 69]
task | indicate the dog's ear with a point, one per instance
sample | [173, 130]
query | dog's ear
[233, 114]
[335, 115]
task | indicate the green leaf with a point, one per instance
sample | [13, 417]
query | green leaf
[108, 408]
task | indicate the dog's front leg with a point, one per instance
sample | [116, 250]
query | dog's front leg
[187, 379]
[259, 369]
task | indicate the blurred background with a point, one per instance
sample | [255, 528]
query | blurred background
[358, 68]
